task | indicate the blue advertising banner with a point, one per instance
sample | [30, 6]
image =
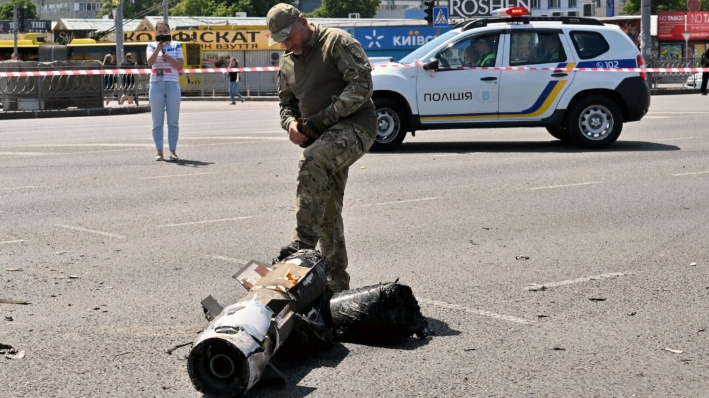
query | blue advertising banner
[610, 8]
[394, 38]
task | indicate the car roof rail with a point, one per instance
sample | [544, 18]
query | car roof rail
[566, 20]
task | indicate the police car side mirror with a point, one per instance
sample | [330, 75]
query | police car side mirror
[431, 65]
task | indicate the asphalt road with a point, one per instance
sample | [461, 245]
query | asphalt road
[115, 251]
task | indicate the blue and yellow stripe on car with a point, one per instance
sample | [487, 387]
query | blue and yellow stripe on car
[542, 104]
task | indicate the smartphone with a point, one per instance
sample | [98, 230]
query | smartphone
[163, 38]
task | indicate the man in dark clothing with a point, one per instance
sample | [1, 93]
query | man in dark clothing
[705, 75]
[325, 90]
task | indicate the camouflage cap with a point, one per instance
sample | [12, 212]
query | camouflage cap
[280, 20]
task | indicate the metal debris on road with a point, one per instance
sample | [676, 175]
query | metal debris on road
[290, 300]
[11, 352]
[11, 301]
[533, 287]
[673, 351]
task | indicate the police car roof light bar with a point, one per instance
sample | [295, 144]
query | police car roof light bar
[510, 12]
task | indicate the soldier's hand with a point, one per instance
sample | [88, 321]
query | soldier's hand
[313, 127]
[295, 135]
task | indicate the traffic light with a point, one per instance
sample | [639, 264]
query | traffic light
[429, 11]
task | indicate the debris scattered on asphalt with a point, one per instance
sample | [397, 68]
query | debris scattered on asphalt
[9, 318]
[73, 277]
[693, 264]
[632, 313]
[469, 349]
[559, 349]
[13, 269]
[542, 316]
[62, 252]
[171, 350]
[597, 298]
[11, 352]
[11, 301]
[673, 351]
[521, 257]
[533, 287]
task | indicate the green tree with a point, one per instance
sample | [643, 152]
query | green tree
[7, 8]
[132, 10]
[632, 7]
[192, 8]
[255, 8]
[343, 8]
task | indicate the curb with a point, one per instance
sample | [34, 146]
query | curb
[73, 112]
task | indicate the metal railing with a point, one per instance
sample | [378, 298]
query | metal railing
[18, 93]
[672, 78]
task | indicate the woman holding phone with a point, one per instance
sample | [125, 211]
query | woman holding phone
[165, 59]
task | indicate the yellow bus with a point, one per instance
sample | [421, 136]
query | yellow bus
[27, 47]
[90, 49]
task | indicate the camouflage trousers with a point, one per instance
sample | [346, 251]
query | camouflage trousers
[322, 177]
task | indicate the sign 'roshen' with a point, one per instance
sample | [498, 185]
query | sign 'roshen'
[482, 8]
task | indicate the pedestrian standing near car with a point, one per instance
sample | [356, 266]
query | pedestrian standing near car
[324, 91]
[234, 82]
[705, 73]
[165, 59]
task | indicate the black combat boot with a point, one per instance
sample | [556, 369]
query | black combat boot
[289, 250]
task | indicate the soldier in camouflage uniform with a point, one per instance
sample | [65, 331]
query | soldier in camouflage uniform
[325, 90]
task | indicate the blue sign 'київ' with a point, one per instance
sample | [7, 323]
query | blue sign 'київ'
[394, 38]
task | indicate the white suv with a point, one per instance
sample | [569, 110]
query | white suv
[499, 72]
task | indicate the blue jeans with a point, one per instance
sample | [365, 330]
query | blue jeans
[234, 90]
[165, 98]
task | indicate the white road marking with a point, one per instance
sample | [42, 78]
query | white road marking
[475, 311]
[206, 221]
[677, 139]
[106, 144]
[580, 280]
[690, 174]
[399, 201]
[176, 175]
[24, 153]
[565, 186]
[238, 138]
[230, 259]
[11, 241]
[91, 231]
[25, 187]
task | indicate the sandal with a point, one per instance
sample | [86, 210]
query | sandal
[159, 156]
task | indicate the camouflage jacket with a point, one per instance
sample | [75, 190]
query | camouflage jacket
[331, 78]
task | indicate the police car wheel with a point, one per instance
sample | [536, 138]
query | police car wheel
[391, 125]
[560, 133]
[595, 122]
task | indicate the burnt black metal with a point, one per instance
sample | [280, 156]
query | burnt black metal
[376, 314]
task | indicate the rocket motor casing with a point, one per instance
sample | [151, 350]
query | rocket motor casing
[229, 357]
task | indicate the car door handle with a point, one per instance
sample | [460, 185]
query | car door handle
[488, 79]
[559, 74]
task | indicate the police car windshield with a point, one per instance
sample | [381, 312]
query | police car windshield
[428, 47]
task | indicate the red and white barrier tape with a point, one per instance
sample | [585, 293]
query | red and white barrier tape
[136, 71]
[147, 71]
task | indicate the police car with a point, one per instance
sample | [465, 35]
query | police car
[514, 70]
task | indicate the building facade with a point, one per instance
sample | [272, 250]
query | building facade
[57, 9]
